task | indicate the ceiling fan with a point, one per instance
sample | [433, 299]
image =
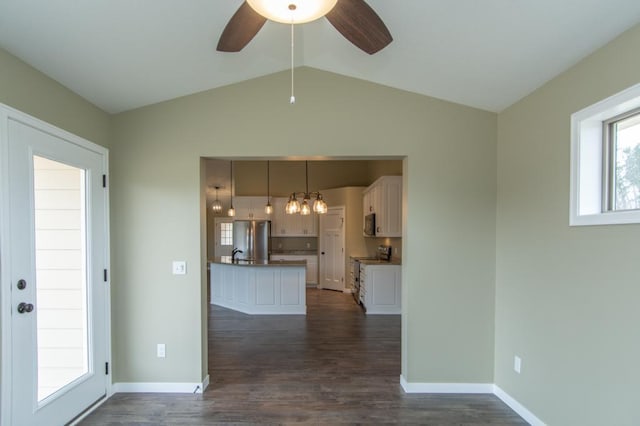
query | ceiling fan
[354, 19]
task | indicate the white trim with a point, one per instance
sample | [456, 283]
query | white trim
[8, 113]
[520, 409]
[586, 177]
[488, 388]
[205, 383]
[347, 290]
[413, 387]
[5, 293]
[154, 387]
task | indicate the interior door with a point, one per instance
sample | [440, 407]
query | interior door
[332, 256]
[57, 268]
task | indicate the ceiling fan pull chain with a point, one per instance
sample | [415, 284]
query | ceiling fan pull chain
[293, 98]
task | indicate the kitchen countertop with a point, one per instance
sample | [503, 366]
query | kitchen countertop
[295, 252]
[226, 260]
[369, 261]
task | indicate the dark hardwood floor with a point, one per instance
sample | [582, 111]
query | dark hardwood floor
[334, 366]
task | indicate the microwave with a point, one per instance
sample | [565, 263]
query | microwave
[370, 225]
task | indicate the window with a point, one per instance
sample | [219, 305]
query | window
[226, 233]
[622, 142]
[605, 161]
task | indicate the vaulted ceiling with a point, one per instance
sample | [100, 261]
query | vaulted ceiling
[123, 54]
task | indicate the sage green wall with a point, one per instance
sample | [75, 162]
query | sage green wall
[449, 244]
[566, 297]
[28, 90]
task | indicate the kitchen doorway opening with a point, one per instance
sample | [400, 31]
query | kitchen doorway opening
[258, 181]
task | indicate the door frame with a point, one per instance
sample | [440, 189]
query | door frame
[7, 113]
[342, 209]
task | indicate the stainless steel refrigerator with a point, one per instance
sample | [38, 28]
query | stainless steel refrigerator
[252, 238]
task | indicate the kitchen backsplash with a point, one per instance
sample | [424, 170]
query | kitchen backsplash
[372, 244]
[284, 244]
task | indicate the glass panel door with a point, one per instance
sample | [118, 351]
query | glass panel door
[61, 284]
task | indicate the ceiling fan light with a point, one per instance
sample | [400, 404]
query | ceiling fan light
[301, 12]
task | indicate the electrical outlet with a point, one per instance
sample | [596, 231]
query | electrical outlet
[162, 350]
[308, 245]
[517, 364]
[179, 267]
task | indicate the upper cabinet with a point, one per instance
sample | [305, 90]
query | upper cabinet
[250, 208]
[384, 198]
[291, 225]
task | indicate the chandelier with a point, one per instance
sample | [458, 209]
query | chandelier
[294, 206]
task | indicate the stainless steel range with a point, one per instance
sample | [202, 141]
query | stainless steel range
[383, 256]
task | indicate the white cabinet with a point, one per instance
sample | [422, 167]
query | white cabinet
[384, 198]
[312, 264]
[380, 288]
[250, 208]
[292, 225]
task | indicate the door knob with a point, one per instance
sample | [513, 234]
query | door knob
[25, 307]
[22, 284]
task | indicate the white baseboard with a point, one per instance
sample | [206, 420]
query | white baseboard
[517, 407]
[521, 410]
[154, 387]
[445, 387]
[347, 291]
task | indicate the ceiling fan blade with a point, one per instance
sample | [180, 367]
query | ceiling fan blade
[240, 30]
[360, 24]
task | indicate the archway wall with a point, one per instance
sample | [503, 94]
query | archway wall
[449, 209]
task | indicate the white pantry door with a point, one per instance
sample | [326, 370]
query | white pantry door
[58, 260]
[332, 257]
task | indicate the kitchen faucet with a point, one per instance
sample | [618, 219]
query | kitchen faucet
[233, 254]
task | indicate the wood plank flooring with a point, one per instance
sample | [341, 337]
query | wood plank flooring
[334, 366]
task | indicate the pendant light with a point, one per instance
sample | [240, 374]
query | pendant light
[268, 209]
[293, 205]
[231, 212]
[216, 206]
[319, 206]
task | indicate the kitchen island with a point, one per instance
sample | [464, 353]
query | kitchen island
[259, 287]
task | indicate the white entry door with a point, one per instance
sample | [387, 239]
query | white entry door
[332, 256]
[57, 267]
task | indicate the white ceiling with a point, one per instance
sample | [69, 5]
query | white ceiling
[123, 54]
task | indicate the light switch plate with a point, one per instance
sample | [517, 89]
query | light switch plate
[517, 364]
[179, 267]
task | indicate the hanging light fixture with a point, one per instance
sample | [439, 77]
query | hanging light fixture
[319, 206]
[231, 212]
[293, 205]
[268, 209]
[216, 206]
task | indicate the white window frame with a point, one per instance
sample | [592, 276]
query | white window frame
[588, 179]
